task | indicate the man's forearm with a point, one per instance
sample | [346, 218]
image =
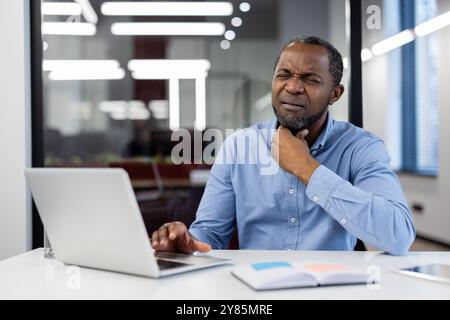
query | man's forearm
[305, 171]
[382, 220]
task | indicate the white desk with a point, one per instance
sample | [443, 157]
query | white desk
[30, 276]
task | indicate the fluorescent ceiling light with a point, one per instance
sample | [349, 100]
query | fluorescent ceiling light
[174, 104]
[244, 7]
[345, 62]
[169, 68]
[122, 110]
[174, 70]
[393, 42]
[88, 12]
[433, 25]
[139, 116]
[236, 22]
[225, 44]
[83, 69]
[167, 8]
[112, 106]
[114, 74]
[200, 104]
[168, 28]
[119, 116]
[230, 35]
[366, 55]
[60, 9]
[138, 111]
[54, 65]
[159, 109]
[136, 106]
[69, 28]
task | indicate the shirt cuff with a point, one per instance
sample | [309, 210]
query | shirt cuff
[321, 184]
[198, 235]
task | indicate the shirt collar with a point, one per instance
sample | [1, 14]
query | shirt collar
[324, 135]
[321, 140]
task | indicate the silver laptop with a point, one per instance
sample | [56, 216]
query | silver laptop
[92, 219]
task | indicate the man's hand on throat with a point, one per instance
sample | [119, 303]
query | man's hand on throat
[292, 153]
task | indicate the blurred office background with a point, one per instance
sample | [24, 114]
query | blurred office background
[106, 102]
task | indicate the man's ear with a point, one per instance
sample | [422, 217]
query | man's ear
[336, 94]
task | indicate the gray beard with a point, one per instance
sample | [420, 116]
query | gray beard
[297, 124]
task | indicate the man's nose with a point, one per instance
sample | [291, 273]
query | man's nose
[295, 86]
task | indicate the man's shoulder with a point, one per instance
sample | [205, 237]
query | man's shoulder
[268, 124]
[363, 145]
[346, 131]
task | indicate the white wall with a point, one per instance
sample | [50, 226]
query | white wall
[15, 217]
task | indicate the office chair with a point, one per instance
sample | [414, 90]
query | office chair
[360, 246]
[152, 195]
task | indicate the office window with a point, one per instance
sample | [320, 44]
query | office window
[401, 85]
[427, 93]
[419, 92]
[103, 104]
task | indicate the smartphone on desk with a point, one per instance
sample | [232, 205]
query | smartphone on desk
[436, 271]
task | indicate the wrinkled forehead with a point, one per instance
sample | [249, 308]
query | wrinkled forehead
[300, 58]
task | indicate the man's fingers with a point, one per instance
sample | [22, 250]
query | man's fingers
[275, 137]
[176, 229]
[196, 245]
[163, 234]
[174, 236]
[201, 246]
[302, 134]
[172, 231]
[285, 130]
[155, 239]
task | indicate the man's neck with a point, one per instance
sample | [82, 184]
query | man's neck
[315, 130]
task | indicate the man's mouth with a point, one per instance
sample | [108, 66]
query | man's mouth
[292, 106]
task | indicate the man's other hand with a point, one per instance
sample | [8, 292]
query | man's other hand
[175, 237]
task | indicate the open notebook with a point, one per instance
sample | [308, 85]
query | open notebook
[282, 274]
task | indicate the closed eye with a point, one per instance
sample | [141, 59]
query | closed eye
[283, 75]
[313, 80]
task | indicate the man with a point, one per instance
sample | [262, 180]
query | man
[334, 185]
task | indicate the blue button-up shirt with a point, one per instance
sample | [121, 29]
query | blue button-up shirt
[353, 194]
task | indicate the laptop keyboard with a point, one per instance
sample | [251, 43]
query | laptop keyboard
[167, 264]
[173, 256]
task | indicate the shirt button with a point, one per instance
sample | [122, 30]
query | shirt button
[293, 220]
[343, 221]
[315, 198]
[291, 191]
